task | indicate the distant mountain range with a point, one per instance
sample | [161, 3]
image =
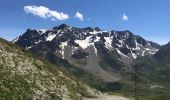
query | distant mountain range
[103, 59]
[88, 48]
[124, 43]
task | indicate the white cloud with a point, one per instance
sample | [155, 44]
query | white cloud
[79, 16]
[125, 17]
[45, 13]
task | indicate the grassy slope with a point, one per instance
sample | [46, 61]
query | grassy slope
[23, 76]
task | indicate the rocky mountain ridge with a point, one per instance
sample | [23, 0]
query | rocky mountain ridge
[124, 43]
[91, 49]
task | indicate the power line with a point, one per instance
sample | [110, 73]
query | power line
[72, 5]
[103, 14]
[107, 6]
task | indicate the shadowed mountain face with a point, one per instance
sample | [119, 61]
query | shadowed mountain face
[159, 62]
[24, 76]
[102, 53]
[163, 55]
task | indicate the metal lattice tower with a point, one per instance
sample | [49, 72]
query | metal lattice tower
[136, 84]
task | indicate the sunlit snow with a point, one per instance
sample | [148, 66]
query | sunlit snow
[108, 42]
[63, 44]
[51, 37]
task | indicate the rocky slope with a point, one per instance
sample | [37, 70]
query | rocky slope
[24, 76]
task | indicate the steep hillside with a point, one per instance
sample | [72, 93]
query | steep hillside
[23, 76]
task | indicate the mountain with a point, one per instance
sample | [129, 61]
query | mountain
[26, 77]
[124, 43]
[154, 71]
[101, 53]
[156, 66]
[163, 55]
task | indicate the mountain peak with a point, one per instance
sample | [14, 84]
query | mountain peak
[97, 29]
[62, 26]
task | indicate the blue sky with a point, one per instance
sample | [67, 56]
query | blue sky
[147, 18]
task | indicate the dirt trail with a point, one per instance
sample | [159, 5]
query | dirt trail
[108, 97]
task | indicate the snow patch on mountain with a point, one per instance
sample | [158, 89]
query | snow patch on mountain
[153, 51]
[134, 55]
[84, 43]
[29, 47]
[88, 42]
[94, 32]
[15, 40]
[51, 37]
[74, 49]
[37, 41]
[120, 53]
[42, 31]
[63, 44]
[137, 46]
[108, 42]
[95, 50]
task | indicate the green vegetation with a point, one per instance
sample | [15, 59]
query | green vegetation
[153, 79]
[24, 76]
